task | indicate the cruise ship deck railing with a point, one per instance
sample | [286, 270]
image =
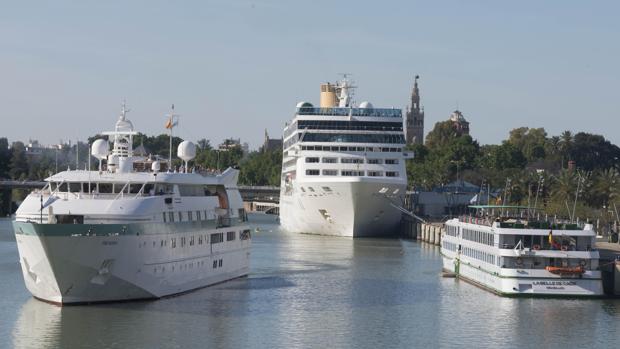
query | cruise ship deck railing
[375, 112]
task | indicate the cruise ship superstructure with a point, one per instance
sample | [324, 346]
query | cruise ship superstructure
[343, 169]
[131, 229]
[511, 251]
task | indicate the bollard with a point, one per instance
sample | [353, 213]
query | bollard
[418, 231]
[431, 239]
[438, 236]
[425, 232]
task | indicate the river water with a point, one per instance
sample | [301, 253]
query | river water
[308, 291]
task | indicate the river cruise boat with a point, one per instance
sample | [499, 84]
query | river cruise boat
[343, 169]
[131, 229]
[511, 251]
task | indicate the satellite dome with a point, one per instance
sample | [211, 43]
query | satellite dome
[366, 105]
[186, 151]
[156, 166]
[100, 149]
[304, 105]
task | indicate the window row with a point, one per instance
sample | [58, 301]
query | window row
[351, 149]
[479, 255]
[479, 236]
[355, 173]
[331, 160]
[185, 216]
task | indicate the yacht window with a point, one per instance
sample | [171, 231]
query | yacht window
[75, 187]
[135, 188]
[149, 189]
[105, 188]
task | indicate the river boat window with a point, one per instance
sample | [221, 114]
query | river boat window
[135, 188]
[171, 216]
[312, 172]
[375, 174]
[231, 235]
[164, 215]
[198, 215]
[312, 160]
[352, 173]
[190, 216]
[216, 238]
[391, 174]
[391, 161]
[245, 235]
[163, 189]
[214, 264]
[352, 161]
[330, 160]
[374, 161]
[180, 216]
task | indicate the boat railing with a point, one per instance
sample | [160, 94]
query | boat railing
[374, 112]
[518, 223]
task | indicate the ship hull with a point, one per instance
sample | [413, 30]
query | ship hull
[81, 263]
[588, 286]
[350, 209]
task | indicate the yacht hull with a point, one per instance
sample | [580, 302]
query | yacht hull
[81, 263]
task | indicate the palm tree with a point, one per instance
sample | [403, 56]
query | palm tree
[607, 186]
[566, 142]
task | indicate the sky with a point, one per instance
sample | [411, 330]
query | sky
[236, 68]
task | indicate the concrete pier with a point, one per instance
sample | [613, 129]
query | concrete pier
[610, 267]
[430, 233]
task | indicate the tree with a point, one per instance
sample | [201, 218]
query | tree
[530, 141]
[593, 152]
[5, 157]
[18, 167]
[441, 135]
[505, 156]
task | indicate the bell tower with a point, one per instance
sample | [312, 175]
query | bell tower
[415, 117]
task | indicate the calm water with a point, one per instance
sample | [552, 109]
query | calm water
[311, 291]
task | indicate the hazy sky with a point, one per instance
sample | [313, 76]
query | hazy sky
[234, 68]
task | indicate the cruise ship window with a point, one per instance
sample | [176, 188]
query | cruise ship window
[391, 161]
[312, 172]
[230, 236]
[190, 216]
[375, 173]
[374, 161]
[164, 215]
[214, 264]
[330, 172]
[198, 216]
[312, 160]
[220, 262]
[330, 160]
[171, 216]
[391, 174]
[180, 216]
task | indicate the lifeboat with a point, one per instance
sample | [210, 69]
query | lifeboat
[565, 270]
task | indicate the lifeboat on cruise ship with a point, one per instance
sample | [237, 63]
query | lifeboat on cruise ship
[565, 270]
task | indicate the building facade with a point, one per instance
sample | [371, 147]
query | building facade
[414, 123]
[460, 125]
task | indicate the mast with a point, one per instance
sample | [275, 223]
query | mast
[173, 120]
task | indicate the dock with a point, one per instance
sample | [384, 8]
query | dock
[609, 264]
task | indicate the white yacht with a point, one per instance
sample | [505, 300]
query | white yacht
[511, 251]
[343, 167]
[131, 229]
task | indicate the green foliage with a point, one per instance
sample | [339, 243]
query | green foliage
[262, 168]
[18, 166]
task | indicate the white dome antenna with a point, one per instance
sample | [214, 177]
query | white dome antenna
[186, 152]
[100, 149]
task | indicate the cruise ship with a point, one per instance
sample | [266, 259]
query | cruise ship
[343, 167]
[132, 229]
[511, 251]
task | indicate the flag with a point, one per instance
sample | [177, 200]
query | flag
[550, 237]
[172, 122]
[49, 201]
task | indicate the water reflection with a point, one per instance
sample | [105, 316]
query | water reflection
[315, 291]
